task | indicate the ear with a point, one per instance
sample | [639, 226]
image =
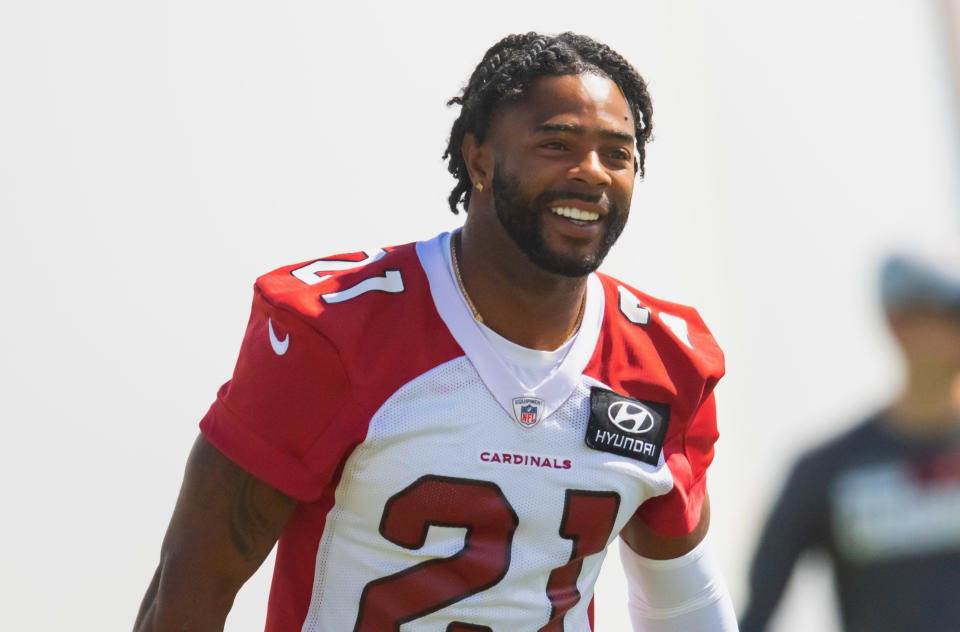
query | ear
[479, 161]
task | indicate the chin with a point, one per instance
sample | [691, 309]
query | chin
[564, 264]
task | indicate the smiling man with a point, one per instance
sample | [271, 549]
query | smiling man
[447, 435]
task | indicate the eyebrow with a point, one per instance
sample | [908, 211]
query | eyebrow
[582, 130]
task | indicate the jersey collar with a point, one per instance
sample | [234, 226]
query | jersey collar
[498, 379]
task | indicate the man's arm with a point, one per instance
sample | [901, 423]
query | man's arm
[674, 584]
[796, 524]
[224, 525]
[646, 542]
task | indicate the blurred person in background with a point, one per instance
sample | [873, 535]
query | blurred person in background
[883, 499]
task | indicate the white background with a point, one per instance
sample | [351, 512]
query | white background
[156, 157]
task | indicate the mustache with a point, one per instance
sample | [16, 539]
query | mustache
[551, 196]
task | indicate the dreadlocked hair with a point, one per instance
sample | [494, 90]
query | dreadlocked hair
[511, 64]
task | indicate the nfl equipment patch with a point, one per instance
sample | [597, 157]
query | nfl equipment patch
[625, 426]
[527, 410]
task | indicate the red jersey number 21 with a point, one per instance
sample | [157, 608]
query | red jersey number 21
[490, 521]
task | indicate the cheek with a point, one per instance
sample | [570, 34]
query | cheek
[955, 348]
[941, 340]
[530, 184]
[623, 189]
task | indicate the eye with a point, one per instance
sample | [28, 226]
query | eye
[555, 145]
[621, 154]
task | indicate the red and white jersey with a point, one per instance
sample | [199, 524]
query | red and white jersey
[437, 493]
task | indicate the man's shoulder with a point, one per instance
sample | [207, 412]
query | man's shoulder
[847, 447]
[675, 333]
[373, 309]
[851, 448]
[310, 288]
[361, 302]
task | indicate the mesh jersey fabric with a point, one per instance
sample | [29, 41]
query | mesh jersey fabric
[423, 501]
[885, 509]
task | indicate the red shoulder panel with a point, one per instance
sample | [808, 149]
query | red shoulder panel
[327, 343]
[659, 351]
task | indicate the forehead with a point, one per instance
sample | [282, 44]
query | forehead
[586, 99]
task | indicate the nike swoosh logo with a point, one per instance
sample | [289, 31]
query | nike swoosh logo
[279, 346]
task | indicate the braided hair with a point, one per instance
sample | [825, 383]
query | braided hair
[511, 64]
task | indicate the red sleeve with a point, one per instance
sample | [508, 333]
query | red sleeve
[288, 385]
[669, 357]
[687, 454]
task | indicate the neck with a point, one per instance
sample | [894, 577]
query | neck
[515, 297]
[928, 403]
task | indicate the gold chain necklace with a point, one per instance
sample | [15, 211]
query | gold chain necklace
[455, 251]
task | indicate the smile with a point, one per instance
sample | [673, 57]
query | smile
[575, 213]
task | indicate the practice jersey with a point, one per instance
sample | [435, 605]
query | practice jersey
[436, 492]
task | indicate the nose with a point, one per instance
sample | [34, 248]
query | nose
[590, 170]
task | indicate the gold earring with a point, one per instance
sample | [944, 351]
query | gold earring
[479, 187]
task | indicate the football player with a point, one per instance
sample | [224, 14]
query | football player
[447, 435]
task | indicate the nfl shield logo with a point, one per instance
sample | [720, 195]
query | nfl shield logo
[527, 410]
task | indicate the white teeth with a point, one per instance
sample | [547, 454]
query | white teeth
[575, 213]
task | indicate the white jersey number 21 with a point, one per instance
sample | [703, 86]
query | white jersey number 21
[319, 271]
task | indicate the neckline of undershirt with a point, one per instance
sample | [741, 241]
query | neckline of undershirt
[525, 356]
[537, 361]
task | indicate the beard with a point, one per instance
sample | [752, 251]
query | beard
[521, 216]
